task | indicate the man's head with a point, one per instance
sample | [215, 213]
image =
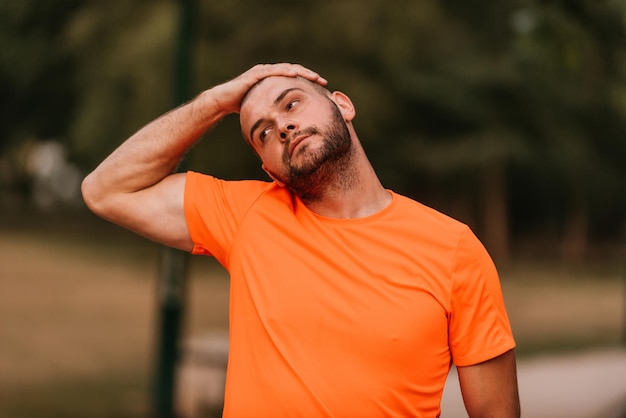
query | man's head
[301, 132]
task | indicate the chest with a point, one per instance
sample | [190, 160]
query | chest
[366, 283]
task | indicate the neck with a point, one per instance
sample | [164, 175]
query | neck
[351, 190]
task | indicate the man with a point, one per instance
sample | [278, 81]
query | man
[347, 299]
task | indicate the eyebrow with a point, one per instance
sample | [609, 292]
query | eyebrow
[278, 99]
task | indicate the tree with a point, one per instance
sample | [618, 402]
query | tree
[568, 55]
[507, 115]
[125, 56]
[32, 74]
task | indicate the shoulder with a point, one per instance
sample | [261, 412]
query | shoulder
[196, 179]
[198, 186]
[428, 233]
[427, 218]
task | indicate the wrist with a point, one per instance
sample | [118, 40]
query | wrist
[207, 106]
[219, 100]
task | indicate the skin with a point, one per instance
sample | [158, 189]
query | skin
[490, 389]
[313, 155]
[306, 141]
[344, 187]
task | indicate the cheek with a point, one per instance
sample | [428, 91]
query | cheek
[272, 157]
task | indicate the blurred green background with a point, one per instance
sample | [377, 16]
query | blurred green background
[510, 116]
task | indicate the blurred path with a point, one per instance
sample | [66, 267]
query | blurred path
[578, 385]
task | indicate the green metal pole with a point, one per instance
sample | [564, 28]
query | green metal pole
[174, 263]
[172, 284]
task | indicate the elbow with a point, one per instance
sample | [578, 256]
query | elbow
[103, 199]
[92, 195]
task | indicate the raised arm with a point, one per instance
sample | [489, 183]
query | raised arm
[490, 388]
[134, 186]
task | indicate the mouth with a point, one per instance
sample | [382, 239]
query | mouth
[296, 141]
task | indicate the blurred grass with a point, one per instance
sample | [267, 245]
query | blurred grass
[78, 308]
[556, 308]
[78, 305]
[105, 396]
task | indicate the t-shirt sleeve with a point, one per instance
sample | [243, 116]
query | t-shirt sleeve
[214, 208]
[479, 327]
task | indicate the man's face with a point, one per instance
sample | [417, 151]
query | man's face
[297, 130]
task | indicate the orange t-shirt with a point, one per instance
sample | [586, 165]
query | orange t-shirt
[344, 317]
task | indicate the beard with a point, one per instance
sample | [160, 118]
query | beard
[323, 167]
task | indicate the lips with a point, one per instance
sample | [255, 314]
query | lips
[293, 144]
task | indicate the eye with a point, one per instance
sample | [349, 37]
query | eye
[263, 134]
[291, 104]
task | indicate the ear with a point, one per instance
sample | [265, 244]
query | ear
[345, 105]
[272, 176]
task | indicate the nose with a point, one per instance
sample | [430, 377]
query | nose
[286, 128]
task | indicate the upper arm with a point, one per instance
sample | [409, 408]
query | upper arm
[490, 388]
[156, 212]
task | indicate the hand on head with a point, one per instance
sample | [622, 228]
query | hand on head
[232, 92]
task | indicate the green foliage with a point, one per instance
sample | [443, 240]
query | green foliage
[31, 56]
[443, 89]
[125, 50]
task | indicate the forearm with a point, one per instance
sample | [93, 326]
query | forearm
[154, 151]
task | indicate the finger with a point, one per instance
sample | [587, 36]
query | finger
[288, 70]
[308, 74]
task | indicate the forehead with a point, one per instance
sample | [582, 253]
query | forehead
[264, 94]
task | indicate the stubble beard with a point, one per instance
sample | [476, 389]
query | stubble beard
[324, 168]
